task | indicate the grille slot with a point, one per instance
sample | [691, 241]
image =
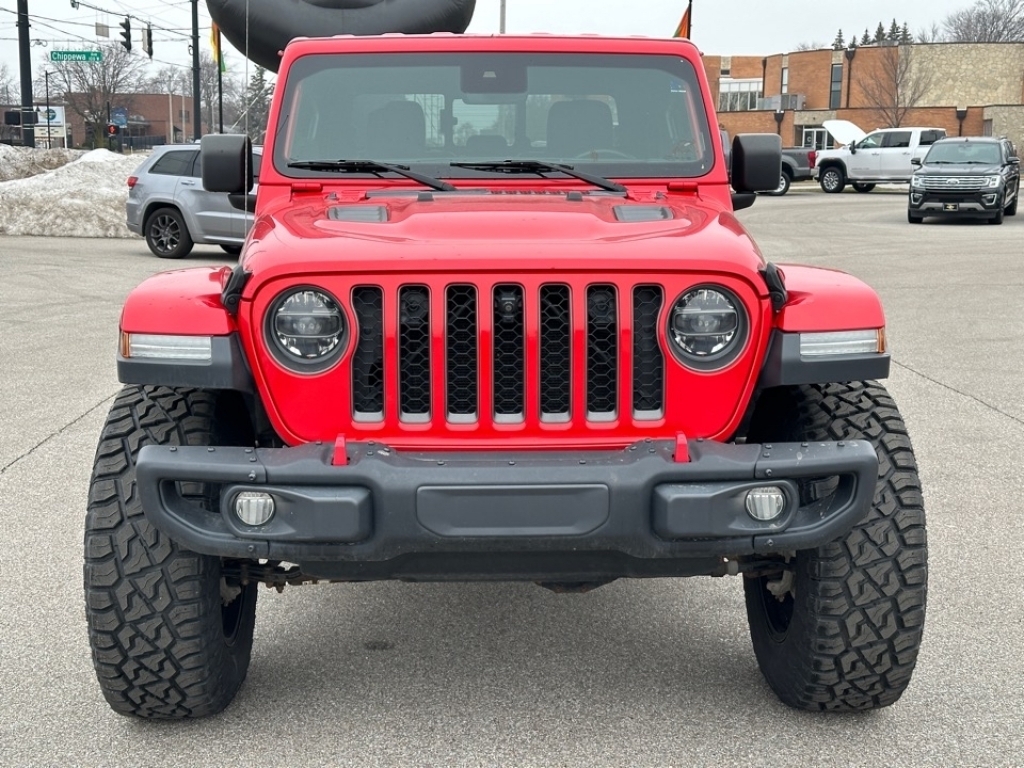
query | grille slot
[461, 353]
[414, 353]
[368, 358]
[602, 352]
[509, 354]
[954, 184]
[648, 361]
[555, 362]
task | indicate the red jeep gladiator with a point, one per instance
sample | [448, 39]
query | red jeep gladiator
[497, 320]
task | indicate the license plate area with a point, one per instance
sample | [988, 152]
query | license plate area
[951, 206]
[512, 510]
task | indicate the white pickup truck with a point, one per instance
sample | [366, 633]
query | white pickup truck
[867, 159]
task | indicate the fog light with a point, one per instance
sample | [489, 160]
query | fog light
[765, 503]
[254, 508]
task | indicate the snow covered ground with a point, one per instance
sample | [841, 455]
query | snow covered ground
[64, 193]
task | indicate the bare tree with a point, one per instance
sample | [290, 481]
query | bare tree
[988, 21]
[7, 90]
[88, 87]
[930, 34]
[813, 45]
[897, 85]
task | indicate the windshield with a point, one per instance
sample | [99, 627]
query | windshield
[610, 115]
[965, 152]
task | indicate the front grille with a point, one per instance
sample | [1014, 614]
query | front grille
[414, 353]
[954, 183]
[503, 342]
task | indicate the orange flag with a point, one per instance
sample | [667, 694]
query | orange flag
[683, 30]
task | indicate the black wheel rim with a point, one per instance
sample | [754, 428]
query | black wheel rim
[165, 233]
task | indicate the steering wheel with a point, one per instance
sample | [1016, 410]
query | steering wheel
[603, 154]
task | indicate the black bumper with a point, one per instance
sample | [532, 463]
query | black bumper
[552, 515]
[983, 203]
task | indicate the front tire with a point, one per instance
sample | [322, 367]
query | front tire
[783, 188]
[171, 637]
[997, 217]
[832, 180]
[841, 626]
[167, 234]
[862, 187]
[913, 218]
[1011, 209]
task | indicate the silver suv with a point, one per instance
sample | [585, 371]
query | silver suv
[169, 207]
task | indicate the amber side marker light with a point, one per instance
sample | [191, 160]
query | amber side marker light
[833, 343]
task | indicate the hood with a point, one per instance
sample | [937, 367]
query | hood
[958, 169]
[844, 131]
[485, 231]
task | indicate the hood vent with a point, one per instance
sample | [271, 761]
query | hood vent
[363, 214]
[637, 213]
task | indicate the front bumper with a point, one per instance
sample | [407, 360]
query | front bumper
[984, 203]
[550, 515]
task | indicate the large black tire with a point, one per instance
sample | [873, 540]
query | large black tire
[234, 250]
[845, 634]
[997, 217]
[832, 179]
[170, 637]
[914, 218]
[860, 186]
[167, 234]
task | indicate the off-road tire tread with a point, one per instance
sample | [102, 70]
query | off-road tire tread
[153, 608]
[866, 605]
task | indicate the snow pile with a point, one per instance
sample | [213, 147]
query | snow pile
[22, 162]
[84, 198]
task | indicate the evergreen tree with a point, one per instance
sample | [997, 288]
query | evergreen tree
[894, 32]
[879, 33]
[866, 39]
[905, 37]
[840, 42]
[853, 41]
[257, 105]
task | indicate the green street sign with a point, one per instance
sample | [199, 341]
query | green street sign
[91, 56]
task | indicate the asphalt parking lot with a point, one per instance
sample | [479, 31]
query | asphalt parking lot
[651, 673]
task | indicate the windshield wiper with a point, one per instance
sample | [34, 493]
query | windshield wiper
[539, 167]
[372, 166]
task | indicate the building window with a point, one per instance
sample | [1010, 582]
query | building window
[739, 95]
[726, 66]
[986, 128]
[835, 98]
[785, 80]
[817, 138]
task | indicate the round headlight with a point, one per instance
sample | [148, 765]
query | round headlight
[306, 329]
[707, 327]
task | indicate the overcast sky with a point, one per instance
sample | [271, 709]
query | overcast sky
[738, 27]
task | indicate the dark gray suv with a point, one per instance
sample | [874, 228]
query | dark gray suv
[169, 207]
[969, 176]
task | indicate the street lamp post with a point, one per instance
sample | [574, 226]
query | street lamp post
[779, 116]
[46, 76]
[502, 27]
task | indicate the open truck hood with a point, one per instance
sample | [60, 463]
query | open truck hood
[844, 131]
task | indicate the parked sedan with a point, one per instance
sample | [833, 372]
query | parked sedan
[169, 207]
[971, 177]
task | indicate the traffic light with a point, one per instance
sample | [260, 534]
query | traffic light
[147, 40]
[113, 137]
[126, 33]
[112, 129]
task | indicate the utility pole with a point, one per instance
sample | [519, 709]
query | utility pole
[197, 122]
[502, 29]
[28, 133]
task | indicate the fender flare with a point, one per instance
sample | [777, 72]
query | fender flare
[273, 23]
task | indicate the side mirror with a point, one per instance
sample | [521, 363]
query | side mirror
[915, 161]
[227, 163]
[756, 162]
[853, 147]
[1014, 161]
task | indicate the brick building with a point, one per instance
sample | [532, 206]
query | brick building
[966, 88]
[153, 118]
